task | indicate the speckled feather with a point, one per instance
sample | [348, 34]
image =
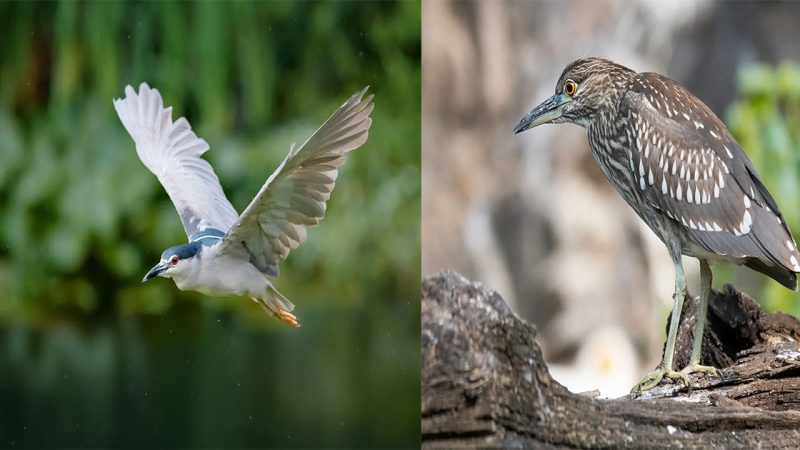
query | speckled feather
[672, 155]
[692, 169]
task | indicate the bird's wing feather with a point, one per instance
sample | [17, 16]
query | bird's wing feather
[295, 195]
[171, 150]
[691, 168]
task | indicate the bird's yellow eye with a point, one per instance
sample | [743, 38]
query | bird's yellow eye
[174, 260]
[570, 87]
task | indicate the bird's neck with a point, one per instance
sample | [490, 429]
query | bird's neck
[609, 143]
[605, 92]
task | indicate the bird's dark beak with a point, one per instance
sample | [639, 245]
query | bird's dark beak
[157, 270]
[548, 111]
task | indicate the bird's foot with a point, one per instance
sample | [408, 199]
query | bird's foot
[286, 317]
[696, 367]
[653, 378]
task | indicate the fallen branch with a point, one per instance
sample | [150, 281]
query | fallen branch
[484, 382]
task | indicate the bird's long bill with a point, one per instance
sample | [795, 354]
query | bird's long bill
[156, 270]
[548, 111]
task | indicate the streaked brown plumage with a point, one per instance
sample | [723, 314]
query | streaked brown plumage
[674, 161]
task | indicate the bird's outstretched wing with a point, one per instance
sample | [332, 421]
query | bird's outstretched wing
[172, 152]
[692, 169]
[295, 195]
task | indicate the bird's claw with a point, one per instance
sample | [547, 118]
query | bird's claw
[286, 317]
[696, 367]
[653, 378]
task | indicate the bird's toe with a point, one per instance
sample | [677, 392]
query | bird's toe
[286, 317]
[694, 368]
[650, 381]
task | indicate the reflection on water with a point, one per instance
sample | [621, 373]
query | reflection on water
[202, 378]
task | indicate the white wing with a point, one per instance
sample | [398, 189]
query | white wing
[295, 195]
[172, 152]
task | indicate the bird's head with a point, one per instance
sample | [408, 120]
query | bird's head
[174, 261]
[585, 87]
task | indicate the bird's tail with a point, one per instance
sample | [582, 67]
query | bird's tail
[278, 306]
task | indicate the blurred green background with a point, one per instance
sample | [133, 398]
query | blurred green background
[89, 356]
[765, 119]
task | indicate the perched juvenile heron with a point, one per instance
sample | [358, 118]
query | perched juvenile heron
[681, 170]
[228, 253]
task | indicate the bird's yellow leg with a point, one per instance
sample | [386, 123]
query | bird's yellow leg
[655, 377]
[278, 313]
[699, 327]
[285, 317]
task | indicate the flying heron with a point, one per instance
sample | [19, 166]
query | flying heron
[229, 253]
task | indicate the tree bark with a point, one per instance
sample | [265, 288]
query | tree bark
[485, 384]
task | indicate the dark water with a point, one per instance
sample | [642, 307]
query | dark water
[203, 378]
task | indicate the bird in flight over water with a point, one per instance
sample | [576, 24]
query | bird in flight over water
[230, 253]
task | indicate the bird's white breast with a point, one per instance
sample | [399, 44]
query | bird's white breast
[212, 273]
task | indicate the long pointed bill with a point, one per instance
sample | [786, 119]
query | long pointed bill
[156, 270]
[548, 111]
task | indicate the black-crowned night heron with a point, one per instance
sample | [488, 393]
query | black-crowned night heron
[228, 253]
[681, 170]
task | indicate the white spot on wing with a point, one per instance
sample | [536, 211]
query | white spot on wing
[747, 221]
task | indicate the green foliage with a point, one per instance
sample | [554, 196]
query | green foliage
[94, 358]
[765, 119]
[83, 219]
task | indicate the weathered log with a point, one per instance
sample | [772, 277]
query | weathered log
[485, 384]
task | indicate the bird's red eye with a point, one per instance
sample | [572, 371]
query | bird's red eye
[570, 87]
[174, 260]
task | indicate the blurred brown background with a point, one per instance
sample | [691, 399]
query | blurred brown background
[533, 217]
